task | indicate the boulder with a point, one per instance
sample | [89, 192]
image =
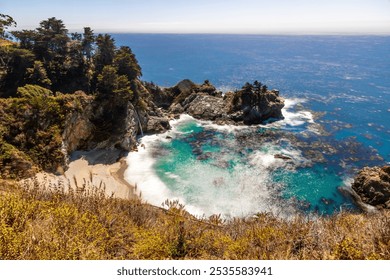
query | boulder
[204, 106]
[157, 124]
[186, 86]
[372, 185]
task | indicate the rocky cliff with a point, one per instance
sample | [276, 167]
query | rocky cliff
[113, 122]
[373, 186]
[253, 104]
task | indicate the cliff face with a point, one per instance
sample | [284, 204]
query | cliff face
[78, 127]
[373, 186]
[102, 124]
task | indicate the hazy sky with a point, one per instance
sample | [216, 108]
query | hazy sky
[207, 16]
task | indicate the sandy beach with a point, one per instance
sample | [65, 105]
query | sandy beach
[92, 169]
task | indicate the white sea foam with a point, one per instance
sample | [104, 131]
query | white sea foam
[268, 161]
[207, 189]
[291, 118]
[347, 77]
[141, 173]
[296, 118]
[141, 170]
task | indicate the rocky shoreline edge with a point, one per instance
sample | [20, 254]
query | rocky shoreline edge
[252, 104]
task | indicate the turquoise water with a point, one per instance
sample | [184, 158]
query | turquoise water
[314, 189]
[218, 171]
[341, 86]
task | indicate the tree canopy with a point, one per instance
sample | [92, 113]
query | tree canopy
[50, 57]
[6, 21]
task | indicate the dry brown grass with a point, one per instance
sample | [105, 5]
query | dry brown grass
[4, 43]
[37, 223]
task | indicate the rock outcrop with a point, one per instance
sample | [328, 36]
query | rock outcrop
[373, 186]
[204, 106]
[253, 104]
[101, 124]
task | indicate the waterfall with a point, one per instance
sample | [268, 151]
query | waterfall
[139, 122]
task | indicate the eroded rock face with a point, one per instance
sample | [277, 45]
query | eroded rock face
[101, 125]
[78, 128]
[373, 186]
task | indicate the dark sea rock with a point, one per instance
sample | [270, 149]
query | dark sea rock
[372, 185]
[283, 157]
[256, 106]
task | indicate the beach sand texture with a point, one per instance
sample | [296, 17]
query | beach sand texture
[95, 169]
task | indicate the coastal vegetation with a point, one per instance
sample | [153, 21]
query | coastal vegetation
[39, 223]
[60, 92]
[48, 76]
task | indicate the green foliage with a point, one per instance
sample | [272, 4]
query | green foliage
[33, 91]
[105, 52]
[109, 83]
[31, 129]
[107, 80]
[5, 22]
[88, 42]
[51, 39]
[127, 64]
[38, 75]
[14, 64]
[51, 57]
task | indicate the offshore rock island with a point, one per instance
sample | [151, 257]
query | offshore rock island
[74, 104]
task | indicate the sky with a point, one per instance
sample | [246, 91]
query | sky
[208, 16]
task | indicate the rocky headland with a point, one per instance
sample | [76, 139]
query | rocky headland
[252, 104]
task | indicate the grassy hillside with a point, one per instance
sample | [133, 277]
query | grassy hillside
[51, 224]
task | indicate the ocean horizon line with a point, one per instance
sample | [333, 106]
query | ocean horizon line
[330, 34]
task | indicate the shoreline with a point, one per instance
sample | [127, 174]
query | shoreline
[90, 170]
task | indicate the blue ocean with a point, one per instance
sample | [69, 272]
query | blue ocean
[337, 120]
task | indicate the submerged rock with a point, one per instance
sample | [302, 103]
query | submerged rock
[283, 157]
[373, 186]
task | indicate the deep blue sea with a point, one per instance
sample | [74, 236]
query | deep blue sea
[337, 91]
